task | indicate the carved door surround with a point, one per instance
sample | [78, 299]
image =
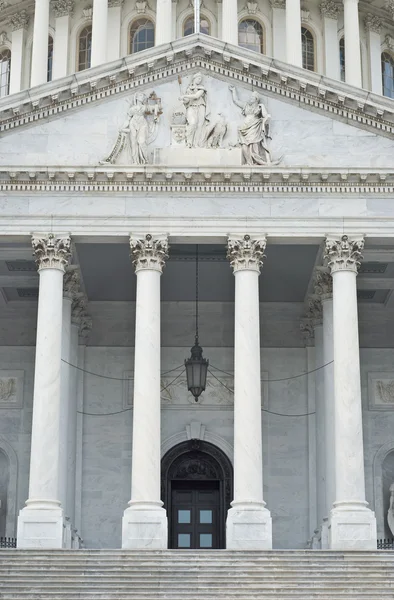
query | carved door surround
[197, 461]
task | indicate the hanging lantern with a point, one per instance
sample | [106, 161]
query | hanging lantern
[196, 365]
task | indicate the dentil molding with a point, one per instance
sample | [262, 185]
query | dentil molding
[271, 77]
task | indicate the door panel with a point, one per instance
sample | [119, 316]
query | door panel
[195, 514]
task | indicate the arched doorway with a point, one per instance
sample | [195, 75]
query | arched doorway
[197, 488]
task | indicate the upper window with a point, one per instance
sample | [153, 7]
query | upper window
[388, 75]
[188, 26]
[85, 48]
[142, 35]
[308, 49]
[250, 35]
[50, 58]
[342, 64]
[5, 66]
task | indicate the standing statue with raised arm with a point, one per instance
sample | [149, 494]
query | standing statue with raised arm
[253, 134]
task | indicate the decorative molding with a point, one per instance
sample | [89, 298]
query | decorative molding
[389, 41]
[307, 328]
[149, 253]
[4, 39]
[356, 107]
[62, 8]
[20, 20]
[278, 4]
[314, 313]
[11, 389]
[85, 327]
[305, 15]
[113, 3]
[151, 178]
[390, 8]
[252, 7]
[87, 12]
[78, 310]
[71, 282]
[381, 390]
[344, 254]
[141, 6]
[330, 9]
[246, 254]
[373, 23]
[4, 4]
[51, 252]
[323, 284]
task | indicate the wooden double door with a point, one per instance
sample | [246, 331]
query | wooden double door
[195, 515]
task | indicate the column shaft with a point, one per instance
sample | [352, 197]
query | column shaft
[230, 22]
[279, 33]
[18, 52]
[145, 522]
[40, 523]
[320, 429]
[65, 399]
[329, 421]
[72, 430]
[352, 43]
[114, 29]
[353, 525]
[293, 33]
[331, 48]
[99, 32]
[39, 61]
[163, 22]
[61, 47]
[249, 522]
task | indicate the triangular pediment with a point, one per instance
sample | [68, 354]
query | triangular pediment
[316, 126]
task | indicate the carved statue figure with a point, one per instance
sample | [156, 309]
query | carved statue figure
[215, 132]
[390, 514]
[253, 135]
[195, 102]
[137, 131]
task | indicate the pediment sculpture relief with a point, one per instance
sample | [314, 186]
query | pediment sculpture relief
[138, 130]
[202, 126]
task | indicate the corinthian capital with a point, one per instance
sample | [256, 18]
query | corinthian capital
[62, 8]
[323, 284]
[149, 253]
[51, 252]
[373, 23]
[329, 9]
[246, 254]
[19, 20]
[344, 254]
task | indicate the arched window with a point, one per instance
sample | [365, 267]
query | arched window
[250, 35]
[142, 35]
[308, 49]
[50, 58]
[388, 75]
[85, 48]
[5, 66]
[188, 26]
[342, 64]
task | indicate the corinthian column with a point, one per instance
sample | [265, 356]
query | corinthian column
[353, 524]
[293, 33]
[145, 520]
[63, 10]
[40, 523]
[39, 59]
[19, 23]
[352, 43]
[249, 525]
[323, 289]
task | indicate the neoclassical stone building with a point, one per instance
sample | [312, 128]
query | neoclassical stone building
[177, 175]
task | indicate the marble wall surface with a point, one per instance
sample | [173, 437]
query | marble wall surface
[289, 476]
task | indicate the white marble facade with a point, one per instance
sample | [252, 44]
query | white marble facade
[198, 143]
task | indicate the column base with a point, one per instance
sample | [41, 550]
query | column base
[249, 527]
[144, 527]
[352, 527]
[40, 528]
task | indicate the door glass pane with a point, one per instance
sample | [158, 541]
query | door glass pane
[183, 540]
[205, 516]
[183, 516]
[205, 540]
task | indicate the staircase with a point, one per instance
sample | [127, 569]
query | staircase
[194, 575]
